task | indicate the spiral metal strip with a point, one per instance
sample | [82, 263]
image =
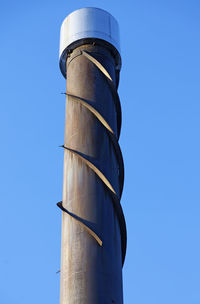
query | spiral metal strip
[83, 223]
[111, 86]
[93, 166]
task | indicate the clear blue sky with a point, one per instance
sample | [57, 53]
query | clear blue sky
[160, 140]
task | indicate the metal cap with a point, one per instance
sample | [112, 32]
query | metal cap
[88, 24]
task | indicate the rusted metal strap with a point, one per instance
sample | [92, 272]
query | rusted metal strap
[85, 224]
[115, 198]
[110, 132]
[111, 85]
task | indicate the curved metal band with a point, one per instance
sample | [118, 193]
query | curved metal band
[122, 224]
[98, 64]
[110, 132]
[113, 89]
[83, 223]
